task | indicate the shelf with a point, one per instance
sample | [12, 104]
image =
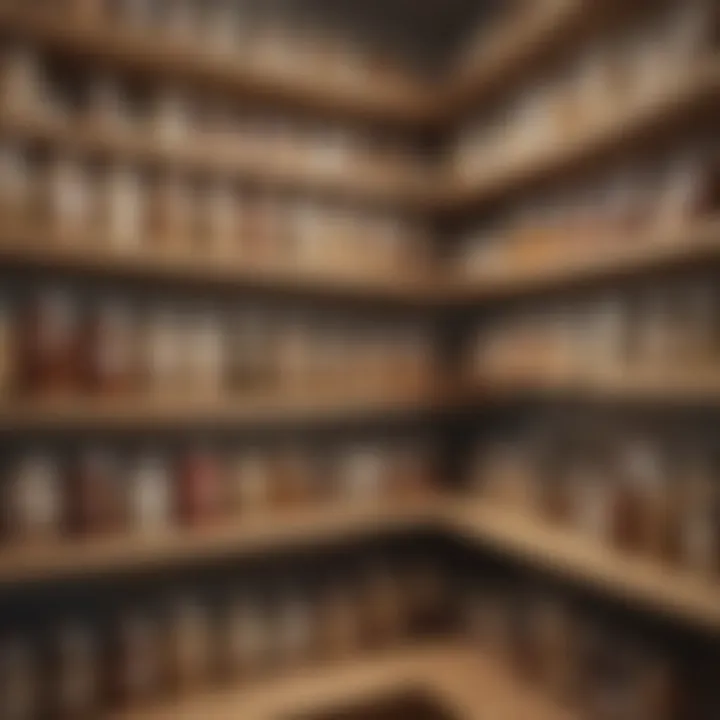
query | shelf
[275, 530]
[661, 251]
[457, 677]
[513, 47]
[394, 101]
[90, 254]
[284, 407]
[626, 131]
[683, 387]
[637, 580]
[408, 188]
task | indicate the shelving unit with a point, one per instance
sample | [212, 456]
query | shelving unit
[460, 677]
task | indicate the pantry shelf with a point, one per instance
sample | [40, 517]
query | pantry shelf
[700, 387]
[129, 413]
[263, 532]
[637, 580]
[392, 100]
[90, 254]
[629, 129]
[454, 676]
[410, 188]
[659, 251]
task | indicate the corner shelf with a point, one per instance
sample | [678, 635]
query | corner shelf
[451, 673]
[635, 579]
[241, 536]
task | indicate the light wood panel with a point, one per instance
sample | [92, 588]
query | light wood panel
[659, 251]
[241, 536]
[638, 580]
[285, 406]
[458, 677]
[93, 254]
[398, 101]
[627, 130]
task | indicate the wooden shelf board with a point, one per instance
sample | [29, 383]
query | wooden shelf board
[141, 412]
[25, 247]
[637, 580]
[404, 187]
[458, 677]
[661, 251]
[243, 536]
[699, 89]
[395, 101]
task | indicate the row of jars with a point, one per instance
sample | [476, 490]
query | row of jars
[59, 343]
[128, 209]
[658, 328]
[598, 670]
[241, 32]
[99, 491]
[652, 202]
[182, 643]
[636, 491]
[170, 116]
[606, 79]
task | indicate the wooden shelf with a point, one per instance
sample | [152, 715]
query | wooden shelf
[90, 254]
[408, 188]
[688, 247]
[395, 101]
[275, 530]
[284, 407]
[456, 676]
[637, 580]
[626, 131]
[683, 387]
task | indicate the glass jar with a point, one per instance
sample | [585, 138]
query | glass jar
[20, 689]
[204, 355]
[77, 687]
[339, 623]
[33, 498]
[7, 350]
[201, 488]
[161, 351]
[363, 474]
[138, 669]
[124, 209]
[97, 494]
[68, 198]
[150, 494]
[251, 478]
[293, 629]
[170, 208]
[189, 647]
[21, 82]
[247, 636]
[385, 617]
[15, 183]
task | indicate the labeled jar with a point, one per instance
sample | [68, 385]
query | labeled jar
[21, 81]
[383, 606]
[137, 672]
[150, 495]
[251, 478]
[171, 118]
[75, 671]
[33, 503]
[20, 687]
[294, 478]
[170, 208]
[293, 629]
[97, 502]
[363, 474]
[220, 226]
[111, 347]
[124, 209]
[189, 646]
[340, 624]
[162, 350]
[200, 487]
[247, 638]
[48, 344]
[67, 201]
[8, 352]
[15, 183]
[204, 353]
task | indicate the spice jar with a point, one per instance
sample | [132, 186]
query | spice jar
[204, 353]
[294, 478]
[425, 594]
[293, 629]
[384, 613]
[32, 498]
[219, 228]
[110, 348]
[200, 487]
[75, 664]
[170, 208]
[172, 118]
[489, 622]
[363, 474]
[339, 622]
[97, 496]
[188, 638]
[67, 203]
[7, 350]
[20, 688]
[150, 500]
[21, 83]
[247, 641]
[161, 351]
[48, 352]
[123, 210]
[251, 477]
[108, 106]
[591, 501]
[15, 185]
[138, 671]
